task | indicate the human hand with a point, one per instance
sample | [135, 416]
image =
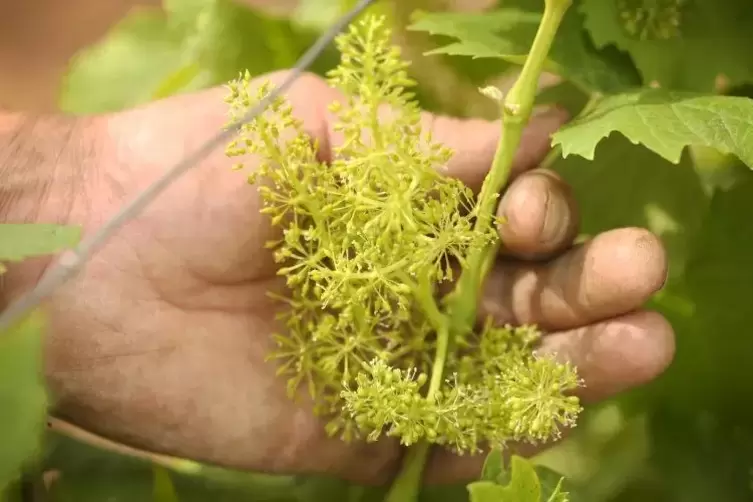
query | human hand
[160, 342]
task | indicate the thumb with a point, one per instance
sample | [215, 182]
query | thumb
[474, 143]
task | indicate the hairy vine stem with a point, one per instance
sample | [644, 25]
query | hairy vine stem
[461, 303]
[71, 261]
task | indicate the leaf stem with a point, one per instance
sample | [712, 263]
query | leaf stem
[462, 303]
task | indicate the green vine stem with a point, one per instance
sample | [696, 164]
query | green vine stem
[462, 303]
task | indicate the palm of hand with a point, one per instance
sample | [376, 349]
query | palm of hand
[161, 343]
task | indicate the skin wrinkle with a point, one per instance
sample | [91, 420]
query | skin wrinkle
[191, 296]
[121, 362]
[86, 356]
[528, 206]
[635, 339]
[224, 272]
[178, 418]
[70, 188]
[570, 288]
[110, 358]
[587, 284]
[150, 275]
[539, 227]
[42, 162]
[241, 202]
[94, 357]
[16, 149]
[562, 221]
[586, 292]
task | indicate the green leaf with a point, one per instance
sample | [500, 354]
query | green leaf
[477, 33]
[552, 486]
[524, 485]
[665, 122]
[125, 68]
[488, 491]
[182, 15]
[193, 44]
[19, 241]
[230, 38]
[715, 40]
[319, 14]
[494, 466]
[179, 80]
[508, 33]
[23, 400]
[493, 471]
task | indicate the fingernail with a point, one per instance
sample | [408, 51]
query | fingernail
[521, 198]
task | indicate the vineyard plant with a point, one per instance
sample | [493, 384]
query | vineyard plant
[660, 95]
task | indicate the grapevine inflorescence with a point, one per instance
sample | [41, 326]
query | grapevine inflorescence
[366, 240]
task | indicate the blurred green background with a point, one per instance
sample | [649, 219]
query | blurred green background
[688, 437]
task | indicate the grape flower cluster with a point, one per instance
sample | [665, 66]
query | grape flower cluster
[366, 240]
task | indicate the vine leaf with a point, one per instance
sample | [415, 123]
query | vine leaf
[182, 15]
[19, 241]
[477, 34]
[665, 122]
[191, 45]
[494, 467]
[507, 34]
[520, 484]
[124, 68]
[714, 39]
[319, 14]
[553, 487]
[22, 396]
